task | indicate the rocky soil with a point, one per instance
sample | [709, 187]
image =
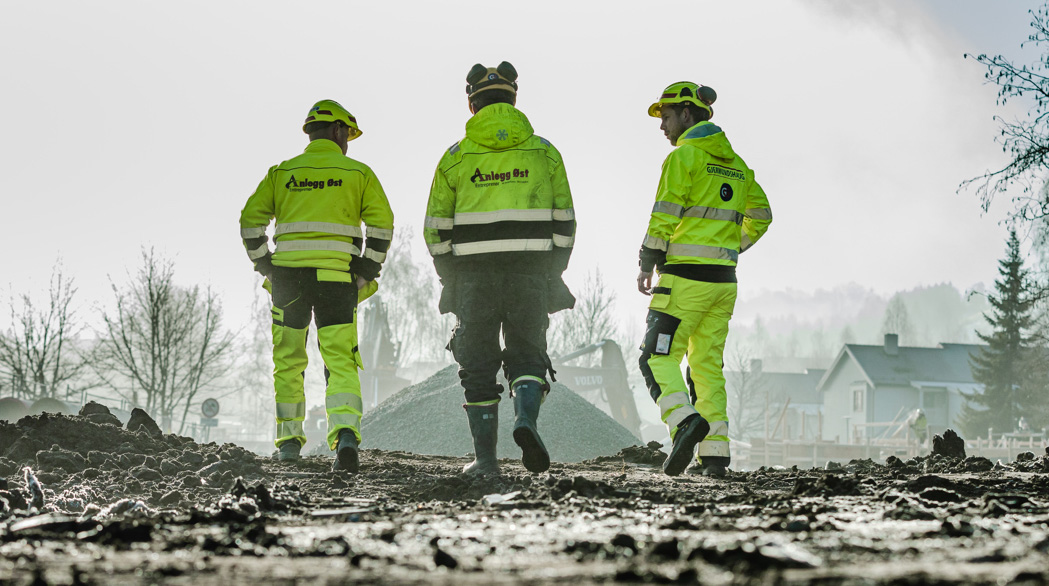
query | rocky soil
[85, 501]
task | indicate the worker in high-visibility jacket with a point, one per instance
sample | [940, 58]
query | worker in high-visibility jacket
[708, 210]
[319, 268]
[500, 227]
[919, 425]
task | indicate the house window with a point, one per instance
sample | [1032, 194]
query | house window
[858, 393]
[935, 400]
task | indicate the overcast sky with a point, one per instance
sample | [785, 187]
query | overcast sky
[128, 124]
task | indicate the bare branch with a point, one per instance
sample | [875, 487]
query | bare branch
[1025, 141]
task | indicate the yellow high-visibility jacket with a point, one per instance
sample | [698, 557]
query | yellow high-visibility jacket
[708, 209]
[500, 200]
[319, 199]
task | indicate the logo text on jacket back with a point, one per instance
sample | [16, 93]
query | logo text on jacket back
[726, 172]
[303, 185]
[493, 176]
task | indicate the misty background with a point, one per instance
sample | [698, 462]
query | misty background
[134, 131]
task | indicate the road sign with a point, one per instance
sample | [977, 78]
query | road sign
[209, 422]
[210, 408]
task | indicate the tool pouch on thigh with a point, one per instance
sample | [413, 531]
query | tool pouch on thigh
[558, 296]
[659, 332]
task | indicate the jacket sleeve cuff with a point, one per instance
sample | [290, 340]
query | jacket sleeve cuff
[651, 258]
[264, 265]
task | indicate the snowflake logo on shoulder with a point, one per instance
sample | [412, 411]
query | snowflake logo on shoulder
[502, 134]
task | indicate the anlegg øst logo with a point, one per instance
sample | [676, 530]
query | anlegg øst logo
[492, 177]
[296, 185]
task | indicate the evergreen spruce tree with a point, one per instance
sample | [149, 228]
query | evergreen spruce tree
[999, 366]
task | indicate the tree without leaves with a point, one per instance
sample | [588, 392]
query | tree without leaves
[409, 291]
[747, 392]
[998, 367]
[163, 340]
[1026, 140]
[253, 386]
[591, 320]
[897, 321]
[37, 355]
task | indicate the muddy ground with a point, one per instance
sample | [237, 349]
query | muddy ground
[85, 501]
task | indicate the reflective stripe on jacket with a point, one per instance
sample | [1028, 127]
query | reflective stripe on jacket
[708, 206]
[319, 200]
[498, 194]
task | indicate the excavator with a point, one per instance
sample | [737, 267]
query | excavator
[605, 386]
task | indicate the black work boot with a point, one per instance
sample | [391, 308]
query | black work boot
[288, 450]
[527, 397]
[346, 457]
[484, 427]
[712, 466]
[690, 432]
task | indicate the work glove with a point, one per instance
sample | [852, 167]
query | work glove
[264, 265]
[365, 267]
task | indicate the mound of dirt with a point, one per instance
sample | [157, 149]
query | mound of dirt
[67, 462]
[949, 445]
[428, 418]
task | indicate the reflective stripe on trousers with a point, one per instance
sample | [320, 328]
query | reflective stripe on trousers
[674, 408]
[289, 422]
[716, 443]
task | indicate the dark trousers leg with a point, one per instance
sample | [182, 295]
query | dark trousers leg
[524, 330]
[475, 343]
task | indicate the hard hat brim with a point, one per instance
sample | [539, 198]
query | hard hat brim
[655, 110]
[357, 133]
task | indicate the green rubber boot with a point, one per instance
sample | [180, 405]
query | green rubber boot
[484, 427]
[527, 397]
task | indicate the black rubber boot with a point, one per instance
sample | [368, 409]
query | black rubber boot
[289, 450]
[346, 453]
[484, 427]
[689, 433]
[527, 397]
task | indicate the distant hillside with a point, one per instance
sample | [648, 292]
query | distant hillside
[816, 324]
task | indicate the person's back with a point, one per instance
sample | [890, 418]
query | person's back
[321, 265]
[500, 227]
[708, 210]
[510, 196]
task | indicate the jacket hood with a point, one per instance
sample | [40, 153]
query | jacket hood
[708, 137]
[499, 126]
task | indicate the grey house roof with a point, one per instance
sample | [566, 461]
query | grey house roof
[947, 363]
[799, 387]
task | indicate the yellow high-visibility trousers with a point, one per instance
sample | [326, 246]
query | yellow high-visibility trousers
[690, 318]
[330, 298]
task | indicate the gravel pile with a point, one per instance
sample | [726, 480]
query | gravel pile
[428, 418]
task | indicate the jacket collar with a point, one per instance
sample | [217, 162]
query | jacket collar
[701, 130]
[323, 145]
